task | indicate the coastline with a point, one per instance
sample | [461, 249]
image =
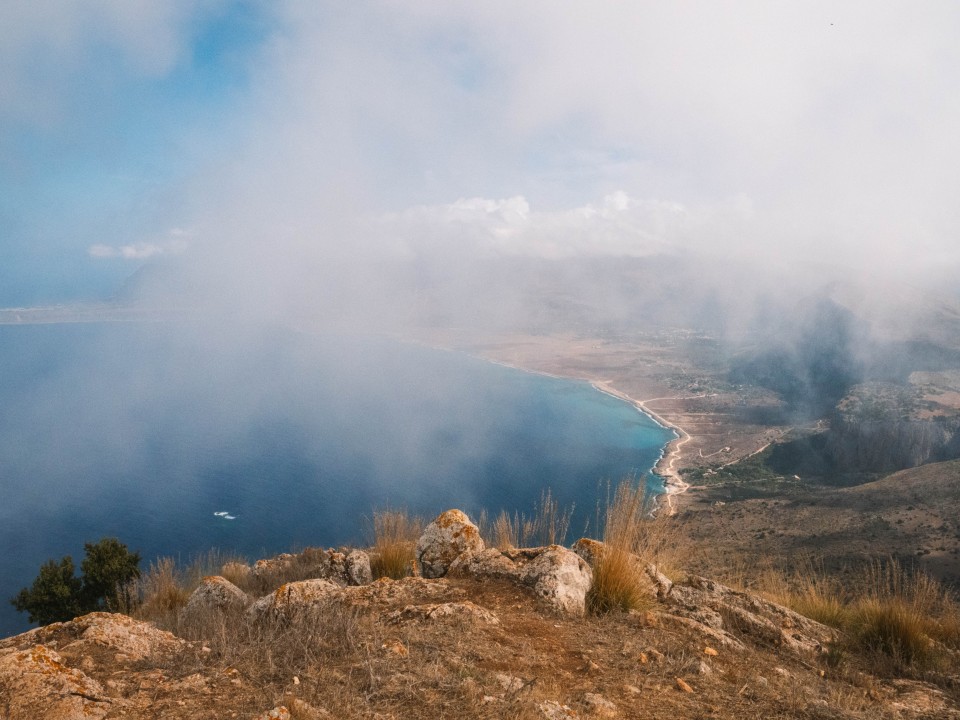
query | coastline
[673, 483]
[664, 467]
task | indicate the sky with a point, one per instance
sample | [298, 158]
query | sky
[252, 141]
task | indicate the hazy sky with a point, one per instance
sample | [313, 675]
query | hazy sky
[256, 137]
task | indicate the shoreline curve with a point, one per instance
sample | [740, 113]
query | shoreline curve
[673, 483]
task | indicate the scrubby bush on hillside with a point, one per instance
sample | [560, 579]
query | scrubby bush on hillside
[57, 594]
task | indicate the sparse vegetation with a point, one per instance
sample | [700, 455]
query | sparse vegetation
[548, 525]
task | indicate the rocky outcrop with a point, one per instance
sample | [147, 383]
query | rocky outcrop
[343, 567]
[651, 580]
[295, 598]
[453, 610]
[214, 595]
[35, 683]
[559, 577]
[730, 616]
[445, 539]
[40, 676]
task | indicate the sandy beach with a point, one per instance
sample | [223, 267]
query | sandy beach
[665, 467]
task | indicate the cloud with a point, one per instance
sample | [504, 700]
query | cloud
[769, 133]
[177, 243]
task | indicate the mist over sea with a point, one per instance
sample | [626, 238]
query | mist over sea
[145, 431]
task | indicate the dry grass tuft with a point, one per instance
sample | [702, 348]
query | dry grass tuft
[160, 593]
[899, 615]
[618, 582]
[548, 525]
[395, 536]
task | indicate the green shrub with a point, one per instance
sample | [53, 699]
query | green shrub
[57, 594]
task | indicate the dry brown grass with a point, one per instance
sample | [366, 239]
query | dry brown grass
[395, 535]
[632, 539]
[898, 619]
[548, 525]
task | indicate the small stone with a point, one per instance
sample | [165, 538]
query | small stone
[632, 690]
[509, 683]
[296, 680]
[683, 686]
[704, 669]
[396, 648]
[599, 706]
[552, 710]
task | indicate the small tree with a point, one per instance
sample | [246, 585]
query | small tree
[57, 595]
[54, 595]
[107, 569]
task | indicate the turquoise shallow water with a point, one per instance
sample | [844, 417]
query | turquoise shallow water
[145, 431]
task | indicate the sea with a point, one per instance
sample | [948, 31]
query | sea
[181, 437]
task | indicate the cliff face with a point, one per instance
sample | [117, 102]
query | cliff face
[884, 428]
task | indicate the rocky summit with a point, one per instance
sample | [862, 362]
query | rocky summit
[490, 633]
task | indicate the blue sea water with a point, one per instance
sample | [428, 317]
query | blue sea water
[147, 431]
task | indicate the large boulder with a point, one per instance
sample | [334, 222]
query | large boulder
[558, 576]
[295, 598]
[445, 539]
[747, 617]
[35, 683]
[215, 595]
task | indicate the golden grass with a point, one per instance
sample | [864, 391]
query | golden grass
[548, 525]
[395, 535]
[618, 582]
[160, 592]
[898, 618]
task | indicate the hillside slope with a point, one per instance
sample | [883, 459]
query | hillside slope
[500, 635]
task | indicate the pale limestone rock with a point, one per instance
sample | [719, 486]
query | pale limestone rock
[598, 706]
[718, 637]
[358, 568]
[728, 611]
[552, 710]
[215, 594]
[451, 534]
[278, 713]
[35, 683]
[663, 584]
[509, 683]
[131, 640]
[460, 610]
[289, 600]
[561, 578]
[558, 576]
